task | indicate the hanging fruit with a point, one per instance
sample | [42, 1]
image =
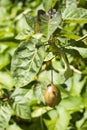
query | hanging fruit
[52, 95]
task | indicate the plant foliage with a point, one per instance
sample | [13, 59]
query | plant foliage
[41, 43]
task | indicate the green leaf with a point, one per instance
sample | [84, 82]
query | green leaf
[79, 50]
[22, 25]
[4, 60]
[40, 111]
[38, 92]
[6, 80]
[60, 122]
[21, 108]
[70, 35]
[21, 105]
[31, 20]
[13, 126]
[7, 44]
[62, 74]
[47, 4]
[26, 98]
[5, 115]
[24, 35]
[38, 124]
[82, 123]
[76, 15]
[27, 61]
[72, 103]
[77, 84]
[49, 25]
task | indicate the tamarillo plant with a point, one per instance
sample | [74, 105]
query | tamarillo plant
[43, 65]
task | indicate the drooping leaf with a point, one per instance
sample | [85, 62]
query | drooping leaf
[76, 15]
[5, 114]
[27, 61]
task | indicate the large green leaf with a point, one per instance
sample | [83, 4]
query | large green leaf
[77, 15]
[27, 61]
[5, 114]
[47, 24]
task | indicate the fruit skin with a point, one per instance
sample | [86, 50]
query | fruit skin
[52, 95]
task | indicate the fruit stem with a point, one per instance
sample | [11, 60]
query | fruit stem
[51, 76]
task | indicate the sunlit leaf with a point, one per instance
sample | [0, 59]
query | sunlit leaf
[27, 61]
[6, 80]
[77, 15]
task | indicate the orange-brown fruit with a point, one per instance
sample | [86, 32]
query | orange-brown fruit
[52, 95]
